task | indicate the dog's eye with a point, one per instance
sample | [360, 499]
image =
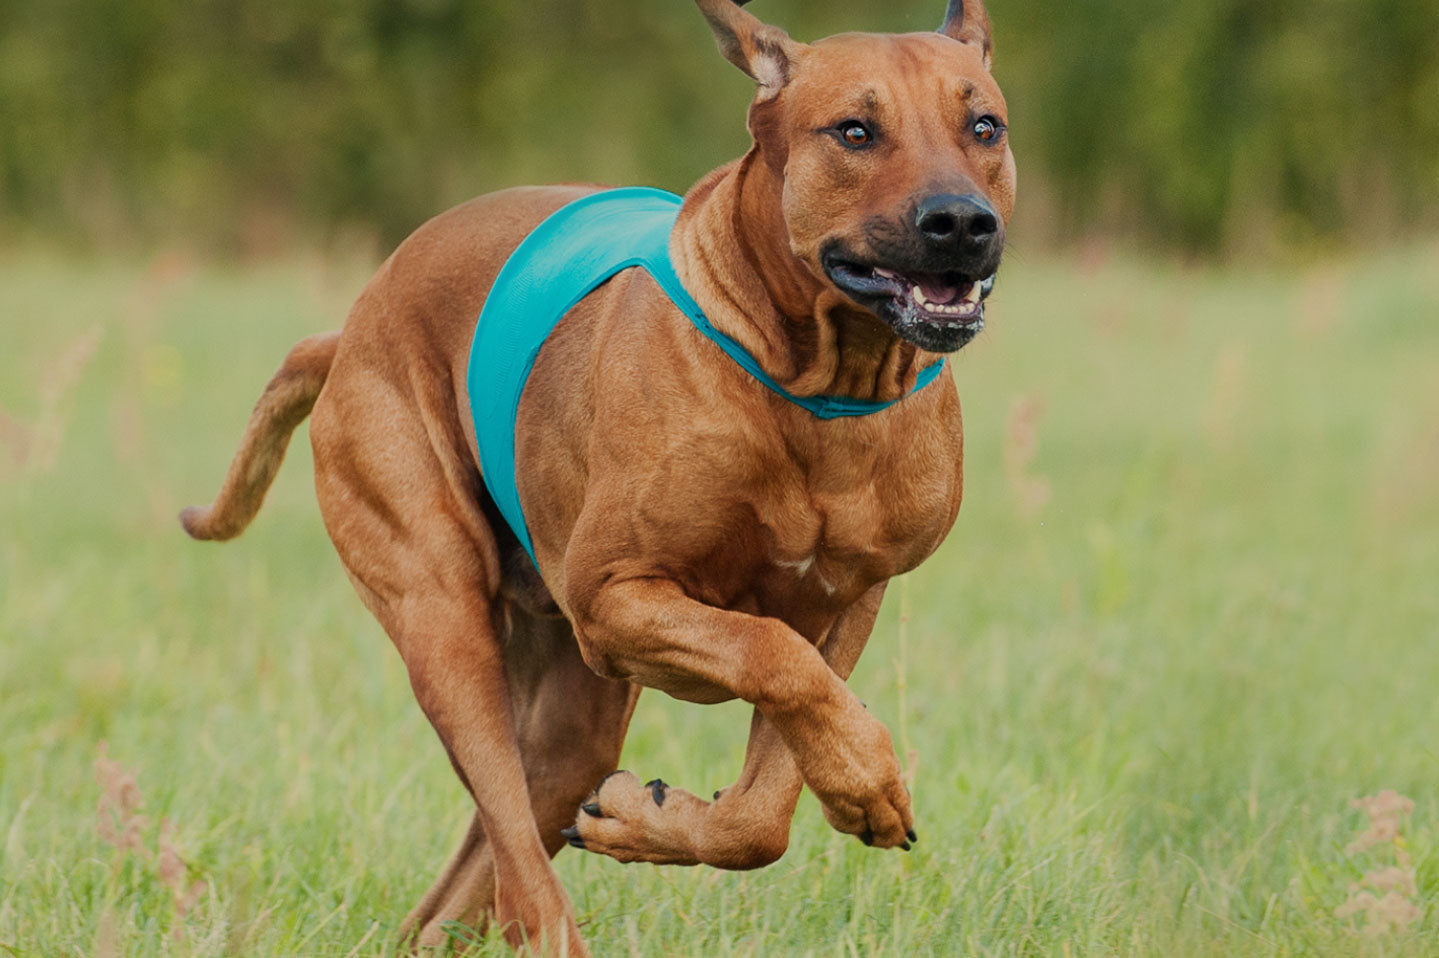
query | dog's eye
[986, 129]
[854, 133]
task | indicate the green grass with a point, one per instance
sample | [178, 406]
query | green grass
[1138, 708]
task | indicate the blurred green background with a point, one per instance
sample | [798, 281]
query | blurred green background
[1225, 127]
[1186, 616]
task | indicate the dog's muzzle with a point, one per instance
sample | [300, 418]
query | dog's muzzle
[940, 312]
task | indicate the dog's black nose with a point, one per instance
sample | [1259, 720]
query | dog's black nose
[960, 223]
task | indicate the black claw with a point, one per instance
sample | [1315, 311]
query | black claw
[867, 837]
[592, 809]
[572, 835]
[657, 789]
[904, 845]
[913, 838]
[717, 794]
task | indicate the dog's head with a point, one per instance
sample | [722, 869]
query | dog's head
[893, 152]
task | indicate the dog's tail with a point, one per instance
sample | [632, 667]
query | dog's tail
[286, 402]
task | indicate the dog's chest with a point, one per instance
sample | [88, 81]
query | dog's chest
[827, 546]
[832, 534]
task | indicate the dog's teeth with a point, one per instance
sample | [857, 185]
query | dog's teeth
[974, 293]
[920, 298]
[886, 273]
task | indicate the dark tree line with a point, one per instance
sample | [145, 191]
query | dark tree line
[1209, 126]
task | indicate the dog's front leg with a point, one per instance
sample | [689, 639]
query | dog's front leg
[748, 823]
[649, 631]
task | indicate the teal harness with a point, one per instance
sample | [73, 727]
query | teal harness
[573, 251]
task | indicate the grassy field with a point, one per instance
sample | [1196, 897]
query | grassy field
[1188, 613]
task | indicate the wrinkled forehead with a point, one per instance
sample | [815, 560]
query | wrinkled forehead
[862, 71]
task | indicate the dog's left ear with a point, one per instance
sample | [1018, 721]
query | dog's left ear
[967, 22]
[764, 52]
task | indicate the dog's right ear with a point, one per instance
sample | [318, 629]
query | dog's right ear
[764, 52]
[968, 22]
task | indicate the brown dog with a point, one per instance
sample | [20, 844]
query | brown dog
[695, 532]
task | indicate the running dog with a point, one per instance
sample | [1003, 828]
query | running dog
[719, 452]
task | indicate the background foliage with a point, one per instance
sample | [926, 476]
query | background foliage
[1227, 125]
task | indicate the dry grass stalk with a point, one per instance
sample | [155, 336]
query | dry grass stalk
[1021, 445]
[175, 874]
[1321, 304]
[1393, 912]
[14, 441]
[1384, 896]
[1226, 403]
[119, 823]
[107, 937]
[60, 380]
[1385, 812]
[118, 819]
[36, 448]
[1406, 467]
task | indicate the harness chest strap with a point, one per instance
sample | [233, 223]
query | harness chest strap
[564, 259]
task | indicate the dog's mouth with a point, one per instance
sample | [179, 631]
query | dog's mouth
[940, 312]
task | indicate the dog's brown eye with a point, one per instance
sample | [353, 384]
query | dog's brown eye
[986, 129]
[854, 133]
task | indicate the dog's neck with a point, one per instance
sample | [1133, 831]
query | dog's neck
[731, 250]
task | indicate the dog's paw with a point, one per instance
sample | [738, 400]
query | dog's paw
[854, 820]
[880, 815]
[632, 821]
[852, 769]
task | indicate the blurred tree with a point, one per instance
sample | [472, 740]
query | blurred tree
[1228, 126]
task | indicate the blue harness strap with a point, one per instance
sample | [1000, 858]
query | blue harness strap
[562, 261]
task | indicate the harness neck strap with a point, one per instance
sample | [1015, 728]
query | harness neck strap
[662, 269]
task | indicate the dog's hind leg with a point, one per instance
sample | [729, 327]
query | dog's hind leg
[747, 825]
[402, 502]
[464, 891]
[571, 724]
